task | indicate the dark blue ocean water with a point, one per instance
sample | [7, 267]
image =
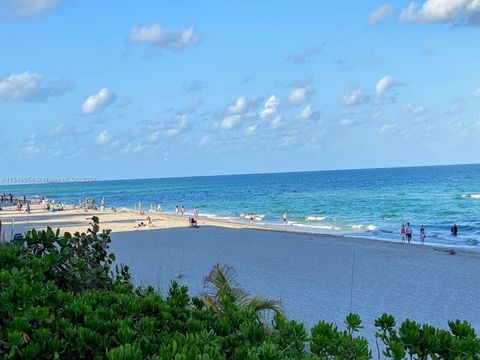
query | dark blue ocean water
[369, 203]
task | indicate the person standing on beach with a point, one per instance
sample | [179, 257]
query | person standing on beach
[402, 233]
[183, 210]
[251, 217]
[285, 220]
[195, 212]
[176, 209]
[422, 234]
[408, 232]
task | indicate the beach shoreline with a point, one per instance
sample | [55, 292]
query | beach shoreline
[73, 219]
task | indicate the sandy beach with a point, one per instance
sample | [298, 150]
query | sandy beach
[315, 276]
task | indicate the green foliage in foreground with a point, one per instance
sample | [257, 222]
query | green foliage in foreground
[59, 299]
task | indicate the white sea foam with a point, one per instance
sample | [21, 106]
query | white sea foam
[473, 196]
[321, 227]
[360, 227]
[207, 215]
[255, 217]
[315, 218]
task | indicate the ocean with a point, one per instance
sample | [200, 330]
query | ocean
[370, 203]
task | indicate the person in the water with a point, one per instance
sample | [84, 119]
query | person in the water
[402, 233]
[408, 232]
[422, 234]
[454, 230]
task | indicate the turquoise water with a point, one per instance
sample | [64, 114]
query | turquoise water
[368, 203]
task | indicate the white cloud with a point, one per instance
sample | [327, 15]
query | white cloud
[476, 93]
[242, 104]
[380, 13]
[31, 148]
[386, 83]
[196, 85]
[251, 129]
[96, 103]
[60, 129]
[103, 138]
[345, 122]
[204, 140]
[30, 87]
[306, 55]
[238, 106]
[29, 8]
[299, 95]
[153, 137]
[270, 107]
[182, 121]
[388, 128]
[133, 148]
[155, 36]
[415, 110]
[455, 11]
[306, 113]
[230, 121]
[277, 122]
[355, 97]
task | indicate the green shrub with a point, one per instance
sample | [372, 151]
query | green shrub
[75, 262]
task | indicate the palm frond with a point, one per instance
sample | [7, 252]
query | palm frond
[222, 282]
[261, 304]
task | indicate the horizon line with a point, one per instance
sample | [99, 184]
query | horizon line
[219, 175]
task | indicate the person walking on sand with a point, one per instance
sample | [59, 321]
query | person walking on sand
[402, 233]
[195, 212]
[422, 234]
[285, 220]
[183, 210]
[176, 210]
[408, 232]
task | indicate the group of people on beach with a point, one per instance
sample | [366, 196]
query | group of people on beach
[179, 211]
[20, 202]
[406, 232]
[6, 198]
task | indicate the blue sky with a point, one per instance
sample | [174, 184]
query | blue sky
[171, 88]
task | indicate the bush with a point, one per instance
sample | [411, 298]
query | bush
[59, 299]
[75, 262]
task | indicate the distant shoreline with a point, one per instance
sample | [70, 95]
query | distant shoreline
[126, 220]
